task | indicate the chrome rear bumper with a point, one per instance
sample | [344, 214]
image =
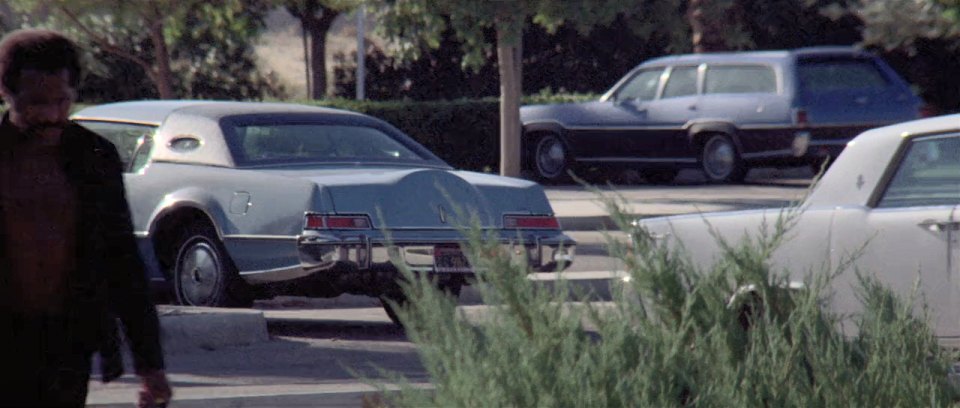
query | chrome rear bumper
[321, 252]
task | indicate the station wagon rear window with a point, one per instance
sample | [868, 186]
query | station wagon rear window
[740, 79]
[304, 143]
[823, 75]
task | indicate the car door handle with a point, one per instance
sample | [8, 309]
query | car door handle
[862, 100]
[940, 226]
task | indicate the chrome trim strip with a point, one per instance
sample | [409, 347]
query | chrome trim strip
[769, 153]
[637, 159]
[109, 120]
[275, 275]
[685, 126]
[628, 128]
[141, 234]
[260, 237]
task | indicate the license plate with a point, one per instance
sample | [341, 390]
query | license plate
[448, 259]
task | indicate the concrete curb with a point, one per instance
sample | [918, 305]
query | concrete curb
[185, 329]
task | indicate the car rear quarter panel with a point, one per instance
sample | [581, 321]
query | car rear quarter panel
[805, 249]
[257, 235]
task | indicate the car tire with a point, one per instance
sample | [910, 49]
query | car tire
[720, 160]
[660, 176]
[203, 274]
[396, 296]
[549, 159]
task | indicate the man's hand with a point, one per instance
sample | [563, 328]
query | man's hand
[155, 390]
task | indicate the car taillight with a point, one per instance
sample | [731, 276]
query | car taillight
[800, 118]
[321, 221]
[530, 222]
[928, 110]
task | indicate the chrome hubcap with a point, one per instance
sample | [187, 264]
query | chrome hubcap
[551, 157]
[719, 158]
[199, 273]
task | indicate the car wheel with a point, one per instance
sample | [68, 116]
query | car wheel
[660, 176]
[720, 160]
[550, 159]
[399, 298]
[203, 274]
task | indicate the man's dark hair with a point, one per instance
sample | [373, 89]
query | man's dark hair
[42, 50]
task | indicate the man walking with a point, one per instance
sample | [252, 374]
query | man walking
[68, 259]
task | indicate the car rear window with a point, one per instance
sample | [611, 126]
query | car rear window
[839, 74]
[300, 143]
[928, 175]
[740, 79]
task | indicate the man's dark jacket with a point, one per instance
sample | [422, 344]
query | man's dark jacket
[109, 278]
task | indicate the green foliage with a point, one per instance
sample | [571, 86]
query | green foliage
[416, 25]
[209, 44]
[212, 51]
[675, 336]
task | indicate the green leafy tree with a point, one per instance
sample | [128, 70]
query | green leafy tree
[212, 56]
[156, 35]
[899, 24]
[415, 25]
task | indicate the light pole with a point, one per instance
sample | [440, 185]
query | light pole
[361, 53]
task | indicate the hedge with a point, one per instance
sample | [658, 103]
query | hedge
[464, 133]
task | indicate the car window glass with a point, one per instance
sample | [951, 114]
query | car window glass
[280, 143]
[682, 82]
[141, 155]
[928, 174]
[125, 136]
[642, 87]
[832, 75]
[740, 79]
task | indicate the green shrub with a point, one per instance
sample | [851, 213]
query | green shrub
[676, 336]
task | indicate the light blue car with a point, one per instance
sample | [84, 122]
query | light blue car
[234, 201]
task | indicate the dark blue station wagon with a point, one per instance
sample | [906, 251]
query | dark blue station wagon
[721, 112]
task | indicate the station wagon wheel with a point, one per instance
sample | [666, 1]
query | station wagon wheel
[203, 275]
[720, 160]
[550, 159]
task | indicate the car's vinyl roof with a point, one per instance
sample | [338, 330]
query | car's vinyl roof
[156, 111]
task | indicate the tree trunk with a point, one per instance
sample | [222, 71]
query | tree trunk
[510, 68]
[163, 77]
[706, 21]
[317, 28]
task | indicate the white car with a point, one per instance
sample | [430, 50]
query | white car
[894, 192]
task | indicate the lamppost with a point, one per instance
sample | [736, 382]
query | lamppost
[361, 52]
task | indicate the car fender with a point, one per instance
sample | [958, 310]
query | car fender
[699, 127]
[545, 126]
[193, 198]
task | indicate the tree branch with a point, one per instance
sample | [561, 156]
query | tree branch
[105, 44]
